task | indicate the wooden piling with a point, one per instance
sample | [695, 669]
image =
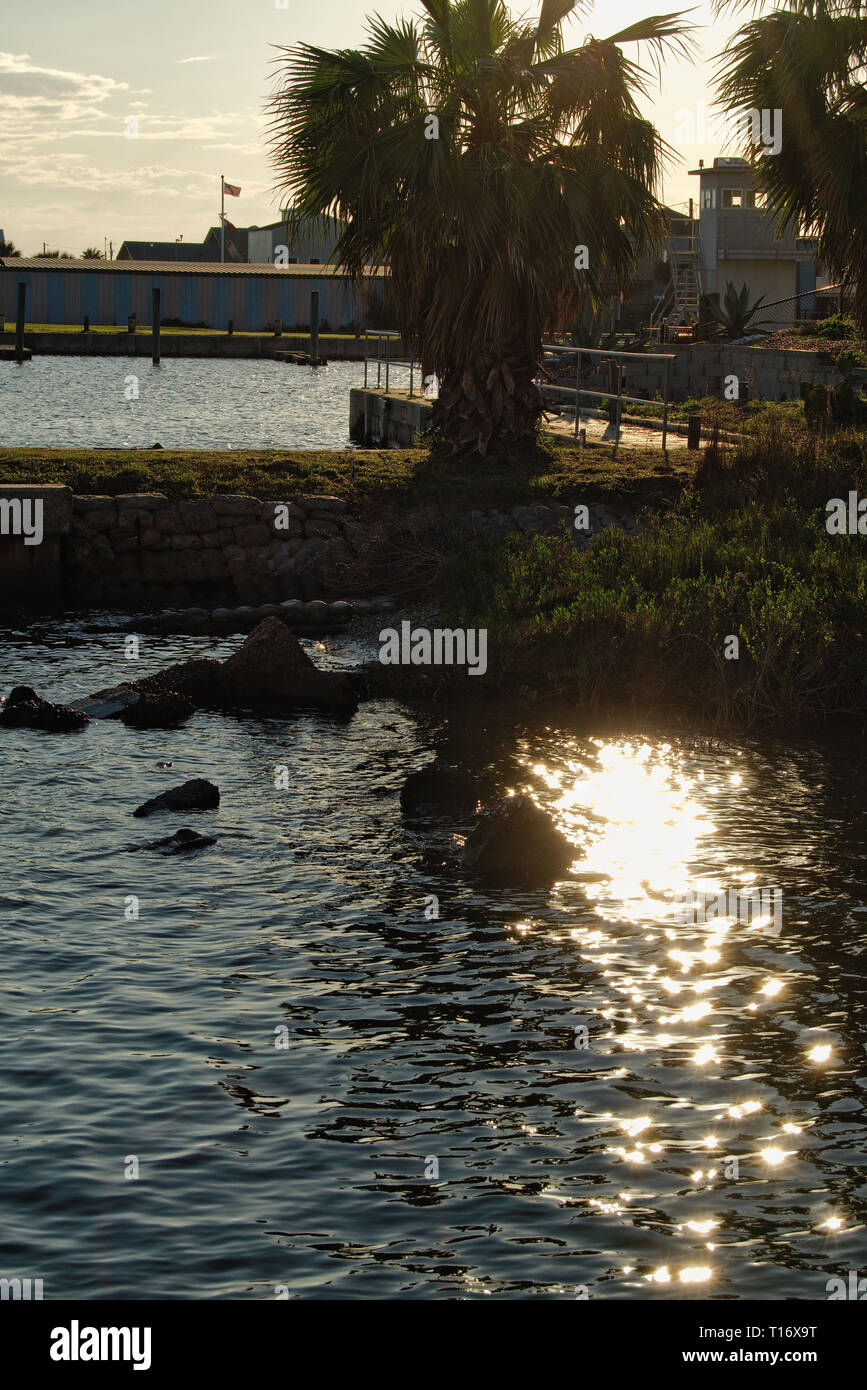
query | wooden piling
[155, 321]
[19, 321]
[314, 328]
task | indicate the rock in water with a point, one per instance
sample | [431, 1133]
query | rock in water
[273, 670]
[269, 672]
[158, 711]
[439, 787]
[196, 795]
[518, 843]
[181, 842]
[24, 709]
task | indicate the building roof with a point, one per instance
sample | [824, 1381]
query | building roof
[163, 251]
[135, 267]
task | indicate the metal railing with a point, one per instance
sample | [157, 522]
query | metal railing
[615, 359]
[386, 337]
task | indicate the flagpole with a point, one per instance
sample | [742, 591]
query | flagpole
[222, 219]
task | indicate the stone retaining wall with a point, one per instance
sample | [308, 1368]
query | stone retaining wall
[142, 548]
[142, 551]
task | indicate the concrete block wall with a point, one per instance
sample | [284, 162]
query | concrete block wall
[143, 548]
[700, 369]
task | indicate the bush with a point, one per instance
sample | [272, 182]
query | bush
[641, 622]
[835, 327]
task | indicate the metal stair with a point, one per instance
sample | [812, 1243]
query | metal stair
[679, 305]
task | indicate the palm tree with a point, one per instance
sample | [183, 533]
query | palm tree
[91, 254]
[808, 60]
[477, 154]
[8, 248]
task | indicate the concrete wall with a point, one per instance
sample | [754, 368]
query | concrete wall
[122, 344]
[773, 279]
[375, 418]
[699, 369]
[33, 570]
[141, 551]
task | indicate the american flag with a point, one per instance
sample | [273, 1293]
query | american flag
[232, 189]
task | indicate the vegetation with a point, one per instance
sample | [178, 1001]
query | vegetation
[807, 59]
[736, 316]
[8, 248]
[480, 154]
[554, 472]
[642, 623]
[836, 327]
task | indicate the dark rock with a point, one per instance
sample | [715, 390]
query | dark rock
[181, 842]
[273, 670]
[517, 843]
[269, 672]
[158, 711]
[200, 679]
[195, 795]
[25, 709]
[440, 788]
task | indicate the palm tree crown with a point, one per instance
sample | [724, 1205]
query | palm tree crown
[808, 59]
[477, 153]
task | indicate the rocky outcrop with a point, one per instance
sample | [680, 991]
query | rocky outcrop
[162, 710]
[181, 842]
[517, 843]
[441, 789]
[196, 795]
[25, 709]
[270, 672]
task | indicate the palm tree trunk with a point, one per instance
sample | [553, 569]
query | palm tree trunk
[490, 405]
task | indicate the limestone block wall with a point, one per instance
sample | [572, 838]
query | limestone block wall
[143, 551]
[144, 548]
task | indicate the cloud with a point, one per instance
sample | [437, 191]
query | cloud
[209, 59]
[33, 93]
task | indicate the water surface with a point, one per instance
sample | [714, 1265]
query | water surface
[327, 1087]
[183, 403]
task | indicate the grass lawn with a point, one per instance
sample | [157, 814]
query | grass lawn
[558, 472]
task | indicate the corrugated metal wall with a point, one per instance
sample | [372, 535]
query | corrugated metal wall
[252, 301]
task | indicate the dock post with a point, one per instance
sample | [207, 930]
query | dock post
[314, 327]
[155, 321]
[19, 322]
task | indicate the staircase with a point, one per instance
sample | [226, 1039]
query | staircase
[679, 304]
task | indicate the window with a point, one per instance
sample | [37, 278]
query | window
[749, 199]
[732, 198]
[709, 198]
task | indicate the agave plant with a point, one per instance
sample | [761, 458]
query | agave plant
[736, 316]
[807, 59]
[476, 153]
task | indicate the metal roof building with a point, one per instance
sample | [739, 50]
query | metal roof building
[199, 295]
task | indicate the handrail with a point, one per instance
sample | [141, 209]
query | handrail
[614, 355]
[385, 335]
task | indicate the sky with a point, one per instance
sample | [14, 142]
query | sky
[117, 118]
